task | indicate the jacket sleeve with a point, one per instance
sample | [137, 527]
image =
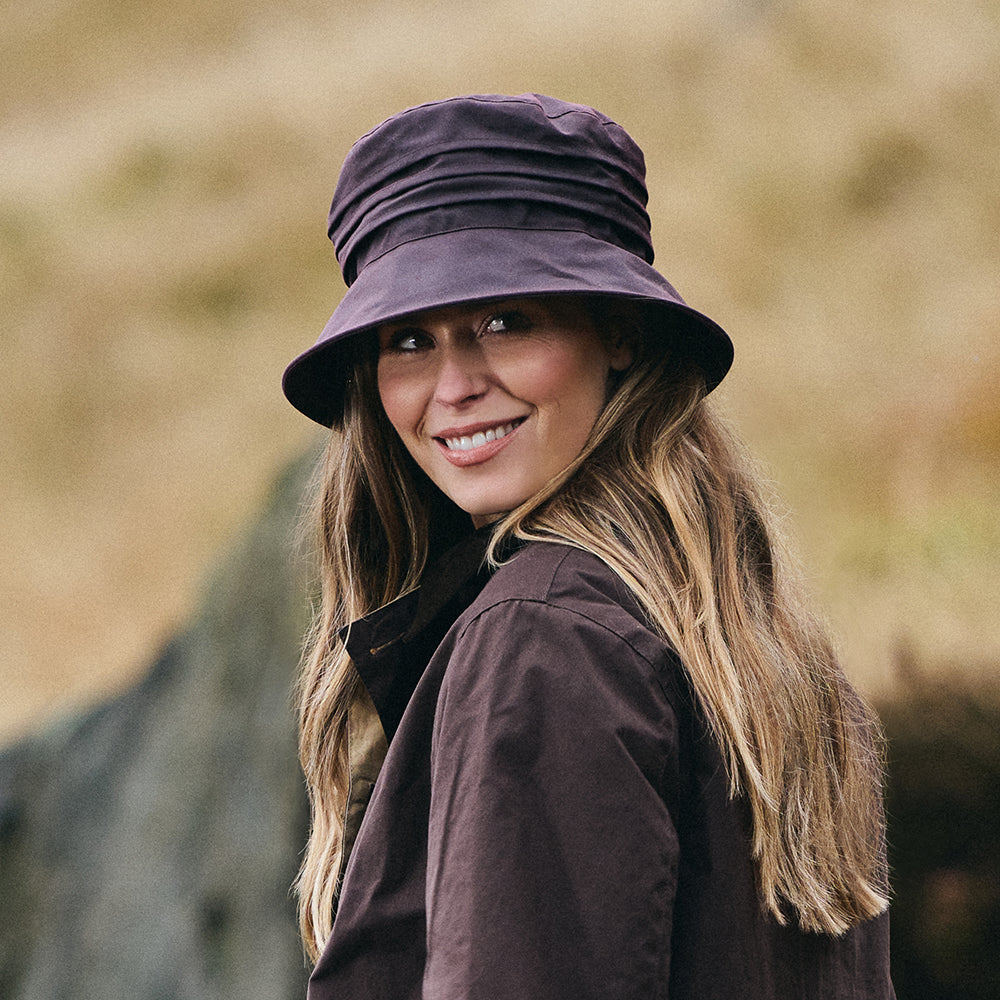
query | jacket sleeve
[552, 858]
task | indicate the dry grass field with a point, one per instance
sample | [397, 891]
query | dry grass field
[824, 181]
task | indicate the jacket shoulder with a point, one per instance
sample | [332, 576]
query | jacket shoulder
[552, 575]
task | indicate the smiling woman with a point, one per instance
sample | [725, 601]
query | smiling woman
[567, 726]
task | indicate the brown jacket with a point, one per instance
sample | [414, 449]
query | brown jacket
[551, 821]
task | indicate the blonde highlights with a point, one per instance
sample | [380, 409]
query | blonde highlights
[664, 495]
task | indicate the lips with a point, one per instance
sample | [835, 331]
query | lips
[477, 443]
[477, 440]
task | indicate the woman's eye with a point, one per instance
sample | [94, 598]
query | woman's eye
[404, 341]
[507, 322]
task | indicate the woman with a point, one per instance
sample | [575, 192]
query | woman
[599, 747]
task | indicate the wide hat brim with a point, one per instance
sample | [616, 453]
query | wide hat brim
[475, 264]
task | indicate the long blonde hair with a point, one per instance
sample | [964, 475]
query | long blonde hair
[663, 493]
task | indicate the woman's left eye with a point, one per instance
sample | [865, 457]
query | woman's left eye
[507, 322]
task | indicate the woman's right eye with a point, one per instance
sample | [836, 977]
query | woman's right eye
[404, 341]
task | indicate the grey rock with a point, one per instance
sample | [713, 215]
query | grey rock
[148, 846]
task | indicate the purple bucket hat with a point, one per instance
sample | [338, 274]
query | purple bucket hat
[491, 197]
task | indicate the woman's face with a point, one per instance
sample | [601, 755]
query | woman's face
[492, 399]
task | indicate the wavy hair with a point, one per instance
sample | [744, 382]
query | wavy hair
[664, 494]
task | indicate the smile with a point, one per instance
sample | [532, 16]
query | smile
[480, 438]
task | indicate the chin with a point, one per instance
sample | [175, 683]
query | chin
[484, 513]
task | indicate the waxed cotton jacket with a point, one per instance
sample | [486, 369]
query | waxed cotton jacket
[551, 820]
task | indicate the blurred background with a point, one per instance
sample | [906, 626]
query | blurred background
[824, 182]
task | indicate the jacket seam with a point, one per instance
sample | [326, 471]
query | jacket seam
[657, 674]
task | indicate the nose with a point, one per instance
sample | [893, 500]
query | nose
[462, 375]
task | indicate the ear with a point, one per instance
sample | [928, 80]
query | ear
[621, 352]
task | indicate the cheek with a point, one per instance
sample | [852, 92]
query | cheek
[399, 400]
[578, 390]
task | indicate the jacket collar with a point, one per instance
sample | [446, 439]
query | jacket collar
[391, 646]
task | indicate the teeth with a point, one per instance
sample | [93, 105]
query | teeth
[478, 439]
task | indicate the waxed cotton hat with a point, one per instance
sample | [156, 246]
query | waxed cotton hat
[491, 197]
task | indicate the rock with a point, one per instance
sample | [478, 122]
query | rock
[147, 847]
